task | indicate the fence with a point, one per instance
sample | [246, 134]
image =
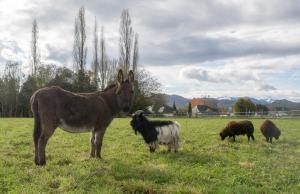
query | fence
[268, 114]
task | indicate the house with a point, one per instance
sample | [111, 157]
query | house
[166, 110]
[211, 102]
[204, 110]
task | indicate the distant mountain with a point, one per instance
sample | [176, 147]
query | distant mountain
[179, 100]
[284, 105]
[228, 102]
[260, 101]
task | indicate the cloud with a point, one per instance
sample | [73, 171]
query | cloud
[199, 49]
[10, 51]
[266, 87]
[58, 54]
[219, 47]
[225, 77]
[218, 76]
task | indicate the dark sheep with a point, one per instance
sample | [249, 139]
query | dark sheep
[234, 128]
[269, 130]
[156, 132]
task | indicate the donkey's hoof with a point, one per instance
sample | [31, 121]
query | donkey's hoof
[42, 163]
[36, 162]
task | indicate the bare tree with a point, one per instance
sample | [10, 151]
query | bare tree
[95, 63]
[111, 71]
[79, 48]
[107, 67]
[135, 58]
[126, 37]
[35, 57]
[103, 67]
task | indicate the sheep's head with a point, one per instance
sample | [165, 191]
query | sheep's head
[137, 121]
[222, 135]
[277, 134]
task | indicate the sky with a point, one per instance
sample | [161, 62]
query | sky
[194, 48]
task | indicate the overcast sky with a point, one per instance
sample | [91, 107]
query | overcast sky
[194, 48]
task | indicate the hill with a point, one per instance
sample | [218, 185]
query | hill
[228, 102]
[284, 105]
[179, 100]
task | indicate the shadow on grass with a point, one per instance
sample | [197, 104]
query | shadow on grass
[123, 171]
[288, 143]
[194, 158]
[128, 177]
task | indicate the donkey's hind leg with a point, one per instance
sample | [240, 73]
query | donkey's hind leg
[92, 145]
[36, 150]
[36, 137]
[99, 134]
[47, 132]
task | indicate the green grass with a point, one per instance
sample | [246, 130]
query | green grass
[204, 164]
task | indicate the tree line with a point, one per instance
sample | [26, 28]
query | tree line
[245, 106]
[16, 88]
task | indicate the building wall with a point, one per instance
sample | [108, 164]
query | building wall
[204, 101]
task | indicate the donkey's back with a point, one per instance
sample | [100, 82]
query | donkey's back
[72, 112]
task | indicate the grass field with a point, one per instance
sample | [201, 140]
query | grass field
[204, 164]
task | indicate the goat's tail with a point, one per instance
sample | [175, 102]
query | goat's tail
[177, 127]
[37, 119]
[176, 135]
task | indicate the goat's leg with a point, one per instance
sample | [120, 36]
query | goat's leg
[176, 146]
[169, 147]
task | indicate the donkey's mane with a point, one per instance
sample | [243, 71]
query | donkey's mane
[109, 87]
[113, 85]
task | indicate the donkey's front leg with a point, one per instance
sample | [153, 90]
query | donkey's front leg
[99, 134]
[93, 145]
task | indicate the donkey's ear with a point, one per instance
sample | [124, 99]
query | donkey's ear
[130, 76]
[120, 76]
[120, 81]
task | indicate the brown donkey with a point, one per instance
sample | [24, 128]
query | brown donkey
[54, 107]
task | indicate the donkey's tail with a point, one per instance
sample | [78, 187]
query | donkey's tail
[37, 119]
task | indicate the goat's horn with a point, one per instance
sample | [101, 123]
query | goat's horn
[138, 112]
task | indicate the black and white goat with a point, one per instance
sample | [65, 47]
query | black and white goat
[156, 132]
